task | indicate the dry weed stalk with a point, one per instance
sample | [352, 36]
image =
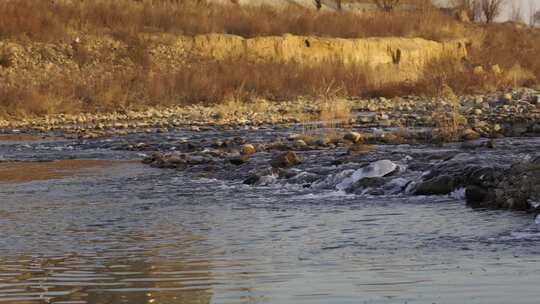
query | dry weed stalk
[335, 110]
[447, 119]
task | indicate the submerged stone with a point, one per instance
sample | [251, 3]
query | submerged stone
[286, 160]
[436, 186]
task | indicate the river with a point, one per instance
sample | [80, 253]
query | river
[98, 226]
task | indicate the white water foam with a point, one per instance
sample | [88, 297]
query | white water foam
[396, 185]
[333, 179]
[324, 195]
[534, 204]
[458, 194]
[376, 169]
[524, 236]
[267, 180]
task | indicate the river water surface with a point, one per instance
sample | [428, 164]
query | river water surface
[109, 229]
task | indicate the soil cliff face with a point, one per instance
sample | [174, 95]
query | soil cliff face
[106, 72]
[407, 57]
[393, 59]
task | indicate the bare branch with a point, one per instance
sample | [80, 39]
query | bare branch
[491, 9]
[386, 5]
[516, 13]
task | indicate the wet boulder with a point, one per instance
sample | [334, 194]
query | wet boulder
[239, 160]
[286, 160]
[475, 195]
[263, 177]
[360, 186]
[460, 171]
[516, 188]
[248, 149]
[519, 187]
[377, 169]
[177, 160]
[470, 134]
[252, 179]
[438, 185]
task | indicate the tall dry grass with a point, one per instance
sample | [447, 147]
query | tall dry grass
[236, 80]
[205, 82]
[48, 21]
[514, 49]
[508, 45]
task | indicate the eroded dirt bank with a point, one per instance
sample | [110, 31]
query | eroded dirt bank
[398, 58]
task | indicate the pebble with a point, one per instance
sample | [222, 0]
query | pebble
[499, 109]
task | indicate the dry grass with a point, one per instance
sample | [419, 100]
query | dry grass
[205, 82]
[240, 81]
[508, 45]
[511, 48]
[448, 121]
[230, 81]
[49, 21]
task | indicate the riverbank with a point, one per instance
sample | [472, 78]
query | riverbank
[102, 57]
[445, 146]
[449, 118]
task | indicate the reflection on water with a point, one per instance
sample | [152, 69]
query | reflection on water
[20, 172]
[132, 234]
[76, 279]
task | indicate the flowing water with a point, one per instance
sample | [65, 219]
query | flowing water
[98, 226]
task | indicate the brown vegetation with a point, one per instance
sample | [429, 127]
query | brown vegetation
[205, 82]
[52, 21]
[98, 85]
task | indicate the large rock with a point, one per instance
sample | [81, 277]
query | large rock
[515, 187]
[436, 186]
[475, 195]
[286, 160]
[380, 168]
[519, 189]
[460, 171]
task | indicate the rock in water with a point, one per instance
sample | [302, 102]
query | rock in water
[252, 179]
[439, 185]
[470, 134]
[286, 160]
[248, 149]
[379, 168]
[240, 160]
[353, 136]
[475, 195]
